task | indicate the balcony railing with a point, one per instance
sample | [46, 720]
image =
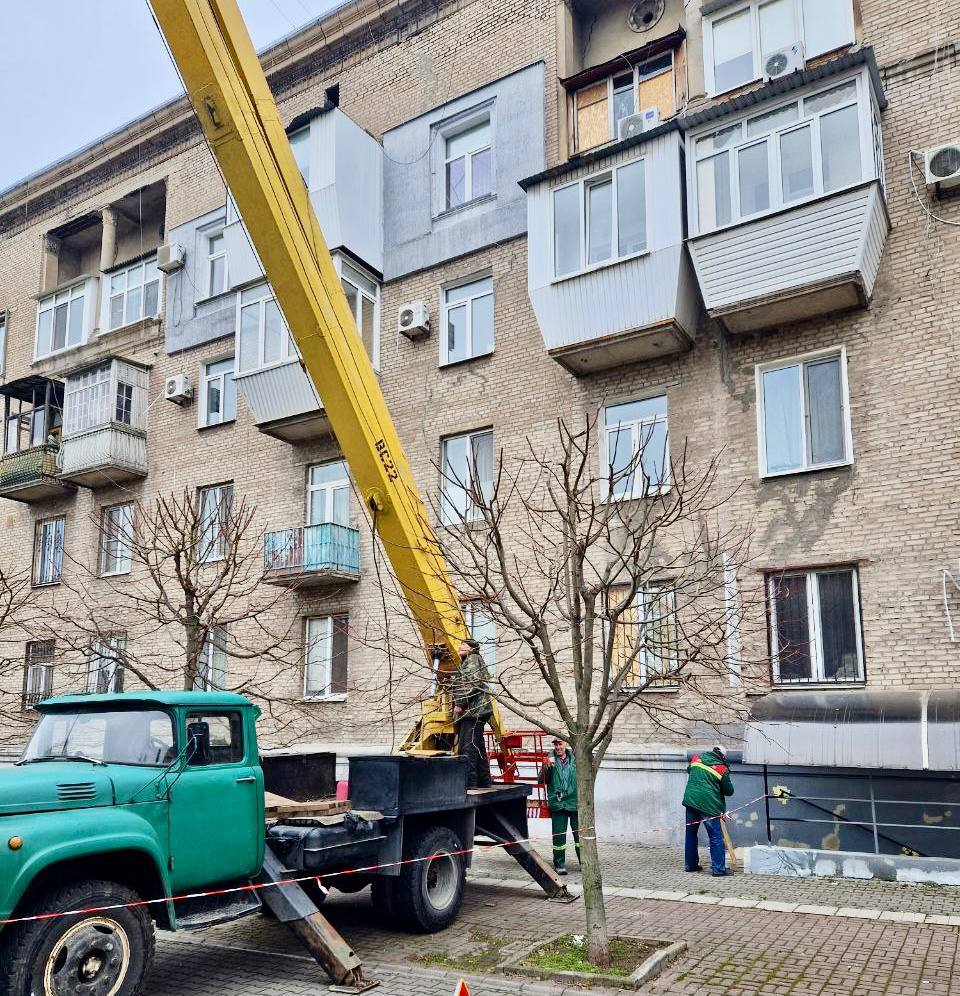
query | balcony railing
[327, 553]
[31, 475]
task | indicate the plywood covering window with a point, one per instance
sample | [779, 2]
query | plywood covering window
[645, 635]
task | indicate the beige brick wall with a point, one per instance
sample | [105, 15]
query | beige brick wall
[894, 512]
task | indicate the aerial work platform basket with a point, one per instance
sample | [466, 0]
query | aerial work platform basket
[520, 759]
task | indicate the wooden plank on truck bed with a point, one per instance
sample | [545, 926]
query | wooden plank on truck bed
[277, 806]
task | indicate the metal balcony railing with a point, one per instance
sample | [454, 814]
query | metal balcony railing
[326, 547]
[27, 466]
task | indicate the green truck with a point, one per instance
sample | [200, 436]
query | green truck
[124, 807]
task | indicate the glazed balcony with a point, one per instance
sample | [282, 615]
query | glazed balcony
[322, 555]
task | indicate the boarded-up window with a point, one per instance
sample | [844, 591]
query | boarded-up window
[657, 91]
[646, 631]
[593, 122]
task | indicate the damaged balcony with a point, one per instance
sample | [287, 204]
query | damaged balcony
[105, 424]
[609, 278]
[322, 555]
[32, 419]
[787, 208]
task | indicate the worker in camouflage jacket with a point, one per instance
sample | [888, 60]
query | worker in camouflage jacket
[708, 786]
[559, 775]
[472, 709]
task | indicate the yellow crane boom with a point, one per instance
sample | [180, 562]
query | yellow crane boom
[226, 84]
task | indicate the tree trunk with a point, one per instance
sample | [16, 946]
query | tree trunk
[596, 913]
[193, 649]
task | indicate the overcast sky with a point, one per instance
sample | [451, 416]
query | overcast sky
[73, 70]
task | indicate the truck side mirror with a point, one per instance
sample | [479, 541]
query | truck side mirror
[198, 744]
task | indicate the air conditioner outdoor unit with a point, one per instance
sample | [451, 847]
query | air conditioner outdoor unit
[178, 389]
[941, 165]
[636, 124]
[783, 61]
[413, 319]
[170, 257]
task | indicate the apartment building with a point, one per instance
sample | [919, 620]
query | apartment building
[709, 222]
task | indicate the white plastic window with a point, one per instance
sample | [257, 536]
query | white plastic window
[116, 540]
[328, 494]
[467, 472]
[218, 393]
[468, 164]
[216, 264]
[467, 321]
[264, 338]
[637, 451]
[131, 293]
[61, 320]
[363, 298]
[48, 551]
[216, 510]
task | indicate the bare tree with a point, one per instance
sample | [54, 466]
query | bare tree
[603, 587]
[15, 604]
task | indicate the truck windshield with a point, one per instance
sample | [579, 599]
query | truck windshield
[120, 737]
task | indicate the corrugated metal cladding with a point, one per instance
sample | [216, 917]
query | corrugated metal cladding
[837, 236]
[637, 293]
[278, 392]
[112, 446]
[907, 730]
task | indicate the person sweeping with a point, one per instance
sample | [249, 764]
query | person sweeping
[559, 774]
[705, 800]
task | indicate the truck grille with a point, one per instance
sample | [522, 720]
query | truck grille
[75, 791]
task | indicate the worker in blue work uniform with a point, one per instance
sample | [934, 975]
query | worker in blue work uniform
[472, 709]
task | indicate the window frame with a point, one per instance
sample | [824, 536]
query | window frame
[59, 523]
[82, 287]
[208, 234]
[330, 621]
[206, 379]
[583, 182]
[37, 660]
[109, 650]
[812, 605]
[453, 129]
[472, 608]
[753, 6]
[870, 153]
[107, 297]
[214, 644]
[289, 349]
[328, 487]
[641, 665]
[126, 562]
[362, 294]
[467, 518]
[447, 306]
[634, 426]
[237, 722]
[638, 77]
[220, 549]
[802, 360]
[3, 340]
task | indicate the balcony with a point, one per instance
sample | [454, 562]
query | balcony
[323, 555]
[283, 403]
[802, 263]
[105, 424]
[31, 475]
[620, 289]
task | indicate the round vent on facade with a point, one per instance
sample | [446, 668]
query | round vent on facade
[945, 162]
[645, 14]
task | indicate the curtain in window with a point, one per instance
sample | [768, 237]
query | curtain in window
[793, 627]
[841, 660]
[825, 410]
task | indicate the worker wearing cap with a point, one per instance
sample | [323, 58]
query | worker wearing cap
[472, 709]
[559, 774]
[705, 799]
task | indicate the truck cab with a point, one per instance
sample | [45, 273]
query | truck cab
[119, 798]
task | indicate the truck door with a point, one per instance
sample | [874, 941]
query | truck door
[216, 822]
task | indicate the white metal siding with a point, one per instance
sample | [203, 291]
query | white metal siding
[107, 447]
[278, 392]
[793, 249]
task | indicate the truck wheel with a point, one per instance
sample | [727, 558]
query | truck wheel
[94, 954]
[429, 893]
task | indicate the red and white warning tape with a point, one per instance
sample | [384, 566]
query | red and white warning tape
[257, 886]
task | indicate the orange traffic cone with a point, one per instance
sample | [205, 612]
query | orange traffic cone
[462, 989]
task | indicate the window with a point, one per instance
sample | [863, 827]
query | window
[223, 740]
[216, 264]
[363, 297]
[116, 540]
[62, 320]
[131, 293]
[218, 393]
[325, 671]
[600, 219]
[483, 629]
[328, 494]
[737, 42]
[105, 667]
[231, 211]
[468, 164]
[638, 453]
[300, 143]
[600, 107]
[104, 394]
[815, 626]
[802, 149]
[467, 472]
[3, 339]
[48, 551]
[647, 628]
[264, 337]
[37, 672]
[128, 736]
[468, 319]
[803, 414]
[212, 665]
[216, 511]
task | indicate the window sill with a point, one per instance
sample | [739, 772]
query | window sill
[595, 267]
[333, 697]
[652, 690]
[819, 686]
[780, 474]
[651, 493]
[139, 323]
[45, 584]
[216, 425]
[466, 206]
[114, 574]
[223, 295]
[447, 364]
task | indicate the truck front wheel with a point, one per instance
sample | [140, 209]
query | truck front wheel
[105, 953]
[429, 891]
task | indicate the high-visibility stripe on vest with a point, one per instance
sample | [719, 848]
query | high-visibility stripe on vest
[706, 767]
